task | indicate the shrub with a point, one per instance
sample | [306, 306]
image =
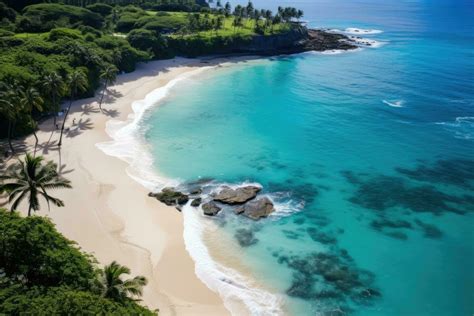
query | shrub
[100, 8]
[46, 16]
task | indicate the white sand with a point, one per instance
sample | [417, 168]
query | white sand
[109, 215]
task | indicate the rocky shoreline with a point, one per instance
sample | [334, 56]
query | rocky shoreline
[243, 200]
[298, 40]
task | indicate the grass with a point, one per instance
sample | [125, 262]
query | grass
[228, 30]
[32, 35]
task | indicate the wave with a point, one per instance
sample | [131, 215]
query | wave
[365, 42]
[395, 104]
[462, 127]
[353, 30]
[127, 144]
[333, 52]
[232, 286]
[356, 31]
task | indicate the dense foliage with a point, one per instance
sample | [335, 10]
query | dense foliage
[43, 44]
[43, 273]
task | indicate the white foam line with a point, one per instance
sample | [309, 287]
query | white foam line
[127, 145]
[233, 287]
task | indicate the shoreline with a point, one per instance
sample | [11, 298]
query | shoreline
[151, 240]
[110, 216]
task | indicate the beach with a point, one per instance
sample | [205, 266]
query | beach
[107, 213]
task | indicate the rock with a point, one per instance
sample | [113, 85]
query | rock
[170, 197]
[196, 202]
[211, 209]
[196, 191]
[257, 209]
[237, 196]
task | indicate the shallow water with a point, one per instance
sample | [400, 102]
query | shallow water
[369, 156]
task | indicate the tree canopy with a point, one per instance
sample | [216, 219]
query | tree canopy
[43, 273]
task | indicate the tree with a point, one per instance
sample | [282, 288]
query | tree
[218, 23]
[299, 15]
[32, 179]
[227, 9]
[77, 82]
[9, 102]
[115, 288]
[30, 100]
[108, 75]
[32, 250]
[54, 86]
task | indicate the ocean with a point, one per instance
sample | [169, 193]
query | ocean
[368, 156]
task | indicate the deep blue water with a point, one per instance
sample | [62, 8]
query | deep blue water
[371, 152]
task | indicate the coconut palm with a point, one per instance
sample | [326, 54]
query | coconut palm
[114, 287]
[10, 108]
[31, 178]
[30, 99]
[54, 86]
[77, 82]
[108, 75]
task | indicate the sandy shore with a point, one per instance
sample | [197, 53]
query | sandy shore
[108, 214]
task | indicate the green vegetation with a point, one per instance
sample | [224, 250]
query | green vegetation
[43, 273]
[31, 179]
[43, 44]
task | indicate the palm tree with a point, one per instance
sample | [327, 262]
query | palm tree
[113, 287]
[31, 179]
[9, 102]
[31, 99]
[77, 82]
[108, 75]
[54, 85]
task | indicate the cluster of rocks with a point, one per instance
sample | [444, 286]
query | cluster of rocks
[243, 200]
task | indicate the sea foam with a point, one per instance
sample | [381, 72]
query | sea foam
[128, 145]
[235, 289]
[394, 103]
[462, 127]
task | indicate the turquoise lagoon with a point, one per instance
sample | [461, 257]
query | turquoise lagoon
[369, 156]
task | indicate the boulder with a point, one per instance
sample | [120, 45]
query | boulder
[256, 209]
[211, 209]
[170, 197]
[237, 196]
[196, 202]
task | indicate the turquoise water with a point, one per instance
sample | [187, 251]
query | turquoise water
[369, 156]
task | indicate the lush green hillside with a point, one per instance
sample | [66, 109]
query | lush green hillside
[43, 44]
[43, 273]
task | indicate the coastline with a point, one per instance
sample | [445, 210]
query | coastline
[151, 240]
[110, 216]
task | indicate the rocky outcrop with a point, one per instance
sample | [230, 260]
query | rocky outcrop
[196, 202]
[298, 40]
[256, 209]
[237, 196]
[211, 209]
[170, 197]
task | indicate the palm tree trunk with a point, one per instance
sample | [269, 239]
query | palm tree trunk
[64, 122]
[36, 142]
[10, 136]
[102, 97]
[29, 210]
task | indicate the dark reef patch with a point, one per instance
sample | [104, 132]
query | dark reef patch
[381, 192]
[458, 172]
[430, 231]
[320, 236]
[245, 237]
[304, 193]
[386, 223]
[332, 277]
[291, 234]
